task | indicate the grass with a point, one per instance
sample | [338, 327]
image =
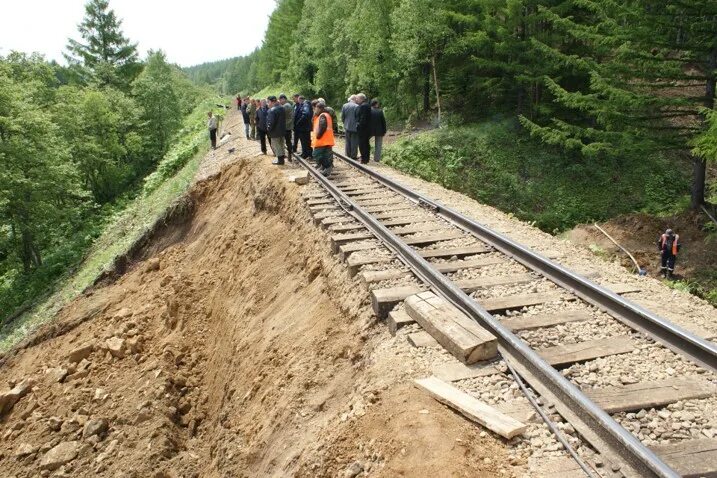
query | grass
[498, 164]
[170, 181]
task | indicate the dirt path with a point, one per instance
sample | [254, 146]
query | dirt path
[235, 345]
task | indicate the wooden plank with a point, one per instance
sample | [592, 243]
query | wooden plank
[471, 285]
[335, 220]
[389, 201]
[529, 322]
[397, 319]
[453, 266]
[401, 221]
[455, 371]
[347, 227]
[690, 458]
[394, 214]
[346, 250]
[320, 201]
[369, 277]
[520, 410]
[431, 238]
[383, 300]
[355, 263]
[459, 335]
[471, 408]
[389, 208]
[455, 251]
[362, 191]
[561, 355]
[422, 339]
[338, 240]
[416, 228]
[648, 395]
[501, 304]
[363, 198]
[315, 195]
[324, 208]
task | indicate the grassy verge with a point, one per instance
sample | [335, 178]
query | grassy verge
[498, 164]
[170, 181]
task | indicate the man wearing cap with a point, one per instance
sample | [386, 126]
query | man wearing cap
[669, 245]
[289, 117]
[276, 129]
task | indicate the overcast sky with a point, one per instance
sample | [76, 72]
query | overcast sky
[190, 32]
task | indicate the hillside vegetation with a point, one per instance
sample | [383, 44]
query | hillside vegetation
[78, 144]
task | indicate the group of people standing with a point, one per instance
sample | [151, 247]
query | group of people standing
[363, 121]
[314, 126]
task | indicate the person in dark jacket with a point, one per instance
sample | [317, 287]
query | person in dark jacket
[378, 128]
[276, 129]
[289, 118]
[302, 126]
[669, 245]
[348, 116]
[245, 116]
[363, 127]
[261, 113]
[251, 109]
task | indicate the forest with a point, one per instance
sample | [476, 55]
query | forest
[602, 81]
[77, 142]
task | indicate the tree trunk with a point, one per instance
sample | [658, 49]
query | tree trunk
[699, 170]
[426, 87]
[438, 92]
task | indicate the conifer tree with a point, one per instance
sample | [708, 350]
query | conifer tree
[106, 57]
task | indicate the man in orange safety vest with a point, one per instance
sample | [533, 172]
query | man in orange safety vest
[322, 139]
[669, 245]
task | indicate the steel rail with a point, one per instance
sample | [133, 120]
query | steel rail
[635, 456]
[671, 335]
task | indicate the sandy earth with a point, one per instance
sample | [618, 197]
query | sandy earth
[235, 345]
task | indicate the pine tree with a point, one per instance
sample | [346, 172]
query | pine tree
[106, 57]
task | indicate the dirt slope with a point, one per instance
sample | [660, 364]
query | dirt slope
[235, 345]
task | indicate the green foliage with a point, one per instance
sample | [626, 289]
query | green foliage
[155, 90]
[499, 165]
[190, 140]
[107, 57]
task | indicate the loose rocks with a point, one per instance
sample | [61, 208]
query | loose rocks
[60, 455]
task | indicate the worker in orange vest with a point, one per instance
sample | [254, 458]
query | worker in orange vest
[669, 245]
[322, 139]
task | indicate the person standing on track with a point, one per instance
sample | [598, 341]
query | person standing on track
[289, 117]
[322, 139]
[332, 113]
[251, 108]
[348, 115]
[212, 125]
[302, 126]
[363, 127]
[378, 128]
[276, 129]
[245, 116]
[669, 245]
[261, 113]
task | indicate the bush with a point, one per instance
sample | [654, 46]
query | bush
[498, 164]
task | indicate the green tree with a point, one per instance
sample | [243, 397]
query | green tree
[155, 90]
[39, 185]
[106, 57]
[102, 128]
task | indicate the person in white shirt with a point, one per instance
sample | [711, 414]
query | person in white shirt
[212, 125]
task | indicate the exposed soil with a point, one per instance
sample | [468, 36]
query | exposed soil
[638, 234]
[234, 345]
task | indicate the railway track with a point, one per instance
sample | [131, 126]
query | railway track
[406, 247]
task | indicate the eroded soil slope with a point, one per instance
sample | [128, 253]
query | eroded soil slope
[235, 345]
